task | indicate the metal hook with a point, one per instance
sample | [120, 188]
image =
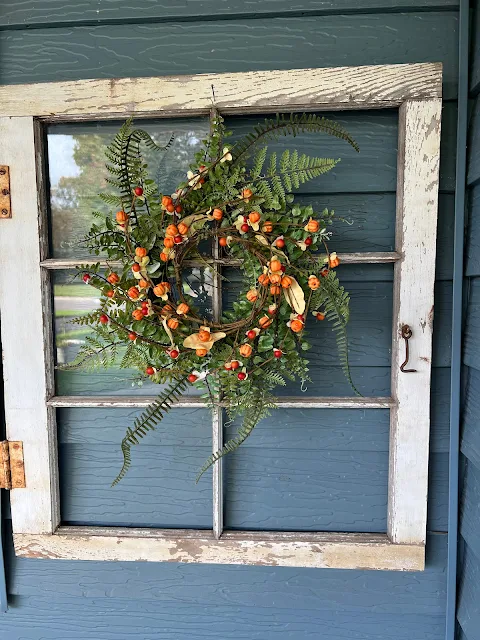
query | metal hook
[406, 335]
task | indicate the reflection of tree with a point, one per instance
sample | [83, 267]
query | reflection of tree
[75, 197]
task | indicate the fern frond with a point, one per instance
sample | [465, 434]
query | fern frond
[292, 124]
[335, 301]
[251, 417]
[148, 420]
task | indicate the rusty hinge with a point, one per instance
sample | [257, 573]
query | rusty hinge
[5, 204]
[12, 471]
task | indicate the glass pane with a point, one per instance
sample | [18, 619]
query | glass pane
[159, 490]
[369, 334]
[310, 470]
[76, 157]
[72, 298]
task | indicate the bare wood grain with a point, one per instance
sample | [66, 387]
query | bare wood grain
[367, 87]
[292, 549]
[417, 204]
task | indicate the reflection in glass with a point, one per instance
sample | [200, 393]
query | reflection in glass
[72, 299]
[77, 172]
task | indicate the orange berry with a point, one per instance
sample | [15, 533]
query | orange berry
[164, 257]
[201, 352]
[136, 267]
[275, 290]
[313, 226]
[182, 228]
[296, 325]
[286, 282]
[121, 217]
[143, 283]
[275, 265]
[170, 208]
[113, 278]
[141, 252]
[217, 214]
[133, 293]
[267, 227]
[246, 350]
[138, 314]
[264, 279]
[166, 285]
[173, 323]
[166, 200]
[234, 364]
[183, 308]
[222, 242]
[159, 290]
[313, 282]
[275, 278]
[265, 322]
[252, 295]
[168, 242]
[254, 216]
[178, 208]
[132, 336]
[172, 230]
[110, 293]
[203, 335]
[334, 262]
[246, 194]
[167, 310]
[320, 316]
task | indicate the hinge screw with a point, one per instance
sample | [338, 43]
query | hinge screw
[4, 212]
[2, 172]
[5, 192]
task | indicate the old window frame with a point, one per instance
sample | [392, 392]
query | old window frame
[30, 403]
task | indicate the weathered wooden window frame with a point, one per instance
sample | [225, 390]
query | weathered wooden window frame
[30, 403]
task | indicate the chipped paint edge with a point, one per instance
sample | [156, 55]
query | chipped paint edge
[295, 549]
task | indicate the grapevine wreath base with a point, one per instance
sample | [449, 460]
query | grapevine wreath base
[237, 199]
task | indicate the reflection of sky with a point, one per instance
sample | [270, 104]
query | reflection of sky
[60, 158]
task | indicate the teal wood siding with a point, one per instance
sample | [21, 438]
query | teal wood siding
[293, 473]
[469, 567]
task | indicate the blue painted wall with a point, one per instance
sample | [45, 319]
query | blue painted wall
[270, 481]
[469, 566]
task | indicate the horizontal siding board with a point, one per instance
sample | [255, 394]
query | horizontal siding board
[475, 51]
[470, 443]
[470, 508]
[251, 588]
[55, 12]
[472, 329]
[472, 258]
[121, 619]
[468, 611]
[473, 166]
[41, 55]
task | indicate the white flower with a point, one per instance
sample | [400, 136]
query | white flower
[201, 375]
[194, 180]
[227, 156]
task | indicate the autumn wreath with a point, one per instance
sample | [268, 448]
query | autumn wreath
[237, 200]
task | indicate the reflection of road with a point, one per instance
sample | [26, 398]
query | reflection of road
[75, 303]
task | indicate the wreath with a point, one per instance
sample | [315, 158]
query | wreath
[237, 198]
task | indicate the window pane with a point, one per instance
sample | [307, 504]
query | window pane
[310, 470]
[159, 490]
[72, 298]
[369, 334]
[77, 172]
